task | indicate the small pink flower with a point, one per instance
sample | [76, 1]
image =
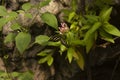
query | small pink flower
[64, 28]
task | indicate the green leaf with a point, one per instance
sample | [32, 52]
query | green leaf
[105, 14]
[74, 26]
[12, 15]
[91, 18]
[85, 27]
[10, 37]
[43, 60]
[92, 29]
[3, 74]
[50, 61]
[70, 37]
[28, 15]
[42, 39]
[70, 53]
[15, 74]
[44, 3]
[90, 42]
[71, 16]
[50, 19]
[3, 21]
[75, 55]
[78, 42]
[3, 11]
[111, 30]
[62, 48]
[80, 61]
[15, 26]
[42, 54]
[45, 52]
[106, 36]
[22, 41]
[20, 11]
[26, 76]
[26, 6]
[90, 36]
[50, 43]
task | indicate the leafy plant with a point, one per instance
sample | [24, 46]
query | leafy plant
[23, 38]
[84, 32]
[77, 36]
[16, 75]
[50, 19]
[22, 41]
